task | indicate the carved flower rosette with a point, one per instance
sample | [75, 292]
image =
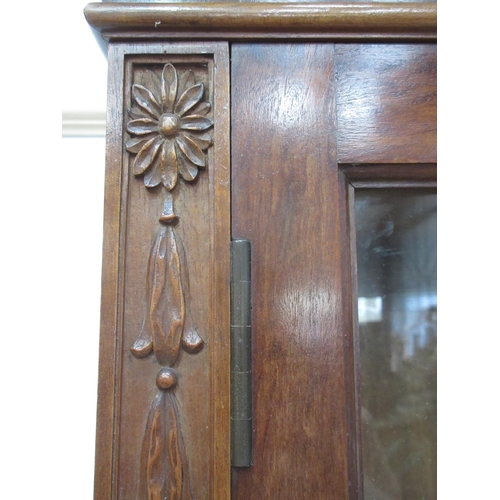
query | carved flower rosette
[169, 128]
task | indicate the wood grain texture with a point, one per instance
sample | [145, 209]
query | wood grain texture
[386, 103]
[391, 175]
[111, 288]
[127, 384]
[164, 469]
[348, 326]
[163, 325]
[285, 201]
[264, 20]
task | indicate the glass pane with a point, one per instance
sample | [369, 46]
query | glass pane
[397, 313]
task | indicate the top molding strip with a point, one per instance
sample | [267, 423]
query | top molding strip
[245, 20]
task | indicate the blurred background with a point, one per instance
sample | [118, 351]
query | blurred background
[51, 201]
[83, 101]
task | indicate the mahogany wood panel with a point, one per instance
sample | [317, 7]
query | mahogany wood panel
[391, 175]
[150, 441]
[386, 103]
[285, 200]
[254, 20]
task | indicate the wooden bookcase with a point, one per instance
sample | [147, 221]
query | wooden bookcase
[257, 121]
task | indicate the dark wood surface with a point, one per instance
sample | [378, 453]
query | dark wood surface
[258, 20]
[285, 200]
[290, 197]
[386, 103]
[310, 122]
[111, 290]
[199, 416]
[391, 175]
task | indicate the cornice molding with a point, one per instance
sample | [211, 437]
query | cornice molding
[245, 20]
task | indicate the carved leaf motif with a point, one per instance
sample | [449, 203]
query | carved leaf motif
[191, 341]
[168, 317]
[164, 468]
[167, 308]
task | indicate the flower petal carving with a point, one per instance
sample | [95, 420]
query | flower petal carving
[196, 122]
[168, 87]
[135, 144]
[146, 100]
[186, 81]
[202, 140]
[136, 112]
[142, 126]
[168, 161]
[153, 175]
[190, 98]
[187, 170]
[202, 109]
[191, 150]
[147, 154]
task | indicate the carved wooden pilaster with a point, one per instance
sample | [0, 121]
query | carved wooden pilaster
[168, 127]
[168, 228]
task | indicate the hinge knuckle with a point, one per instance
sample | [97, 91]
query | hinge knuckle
[241, 355]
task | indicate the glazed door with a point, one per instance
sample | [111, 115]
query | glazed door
[311, 124]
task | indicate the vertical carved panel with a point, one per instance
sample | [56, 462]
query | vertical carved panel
[169, 127]
[165, 313]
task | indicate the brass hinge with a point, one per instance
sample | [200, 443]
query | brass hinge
[241, 355]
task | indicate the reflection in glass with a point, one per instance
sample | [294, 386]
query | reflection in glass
[397, 313]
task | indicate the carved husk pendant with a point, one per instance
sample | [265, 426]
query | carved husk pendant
[167, 322]
[164, 470]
